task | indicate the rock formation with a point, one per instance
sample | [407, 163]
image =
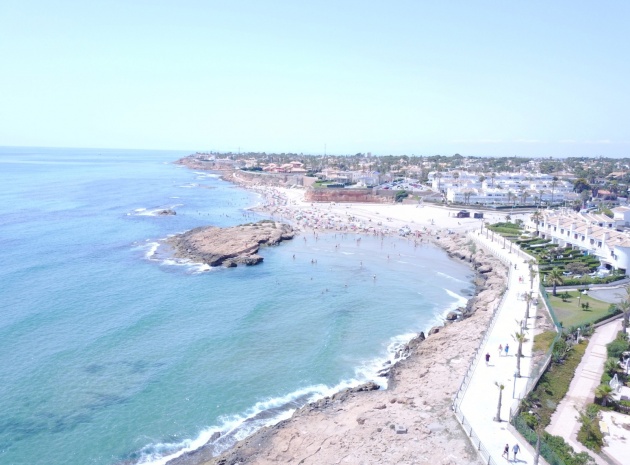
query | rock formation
[229, 246]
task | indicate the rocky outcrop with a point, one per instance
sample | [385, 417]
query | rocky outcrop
[229, 247]
[166, 212]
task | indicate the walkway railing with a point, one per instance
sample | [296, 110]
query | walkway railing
[474, 439]
[536, 371]
[477, 356]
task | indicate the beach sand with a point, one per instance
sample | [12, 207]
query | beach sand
[411, 422]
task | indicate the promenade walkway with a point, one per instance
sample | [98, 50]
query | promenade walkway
[582, 389]
[480, 400]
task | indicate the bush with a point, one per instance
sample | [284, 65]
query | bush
[618, 346]
[589, 434]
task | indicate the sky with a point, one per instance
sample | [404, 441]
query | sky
[493, 78]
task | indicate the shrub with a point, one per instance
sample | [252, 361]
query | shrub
[589, 434]
[618, 346]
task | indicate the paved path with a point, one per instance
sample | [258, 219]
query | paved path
[582, 389]
[480, 402]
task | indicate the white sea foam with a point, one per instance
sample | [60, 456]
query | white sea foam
[237, 427]
[152, 252]
[153, 246]
[155, 211]
[450, 277]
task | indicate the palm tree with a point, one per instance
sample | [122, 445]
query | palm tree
[532, 274]
[536, 218]
[611, 365]
[439, 176]
[512, 197]
[624, 306]
[554, 278]
[554, 183]
[501, 388]
[604, 392]
[528, 300]
[492, 176]
[520, 338]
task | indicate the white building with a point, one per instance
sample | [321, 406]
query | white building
[593, 233]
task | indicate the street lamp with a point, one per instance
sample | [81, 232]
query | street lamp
[514, 387]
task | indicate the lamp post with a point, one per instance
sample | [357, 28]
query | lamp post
[514, 386]
[579, 297]
[537, 429]
[578, 335]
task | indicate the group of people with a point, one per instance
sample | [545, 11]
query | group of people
[502, 349]
[515, 450]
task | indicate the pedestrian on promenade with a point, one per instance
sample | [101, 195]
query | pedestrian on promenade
[500, 349]
[515, 450]
[487, 358]
[506, 452]
[507, 347]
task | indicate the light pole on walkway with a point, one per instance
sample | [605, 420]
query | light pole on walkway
[514, 387]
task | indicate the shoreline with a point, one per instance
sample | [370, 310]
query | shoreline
[440, 360]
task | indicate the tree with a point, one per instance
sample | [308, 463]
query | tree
[512, 198]
[532, 274]
[611, 366]
[519, 337]
[580, 185]
[577, 267]
[624, 306]
[554, 278]
[528, 300]
[492, 176]
[537, 218]
[604, 392]
[501, 388]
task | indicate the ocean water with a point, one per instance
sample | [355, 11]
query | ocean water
[111, 352]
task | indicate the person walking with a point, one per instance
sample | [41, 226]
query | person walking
[487, 358]
[500, 349]
[506, 452]
[507, 348]
[515, 450]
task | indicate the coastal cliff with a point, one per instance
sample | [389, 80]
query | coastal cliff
[237, 245]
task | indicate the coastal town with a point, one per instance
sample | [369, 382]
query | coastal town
[549, 241]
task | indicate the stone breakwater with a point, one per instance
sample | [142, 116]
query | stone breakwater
[237, 245]
[410, 422]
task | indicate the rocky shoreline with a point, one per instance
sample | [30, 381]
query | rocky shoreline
[411, 418]
[409, 422]
[229, 247]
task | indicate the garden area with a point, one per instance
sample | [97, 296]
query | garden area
[575, 308]
[537, 408]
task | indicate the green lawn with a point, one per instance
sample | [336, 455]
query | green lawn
[570, 313]
[543, 341]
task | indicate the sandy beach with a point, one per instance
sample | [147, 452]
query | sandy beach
[411, 422]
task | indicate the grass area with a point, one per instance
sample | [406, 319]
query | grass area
[554, 384]
[543, 341]
[540, 404]
[571, 313]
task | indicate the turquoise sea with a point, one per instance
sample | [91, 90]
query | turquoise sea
[111, 352]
